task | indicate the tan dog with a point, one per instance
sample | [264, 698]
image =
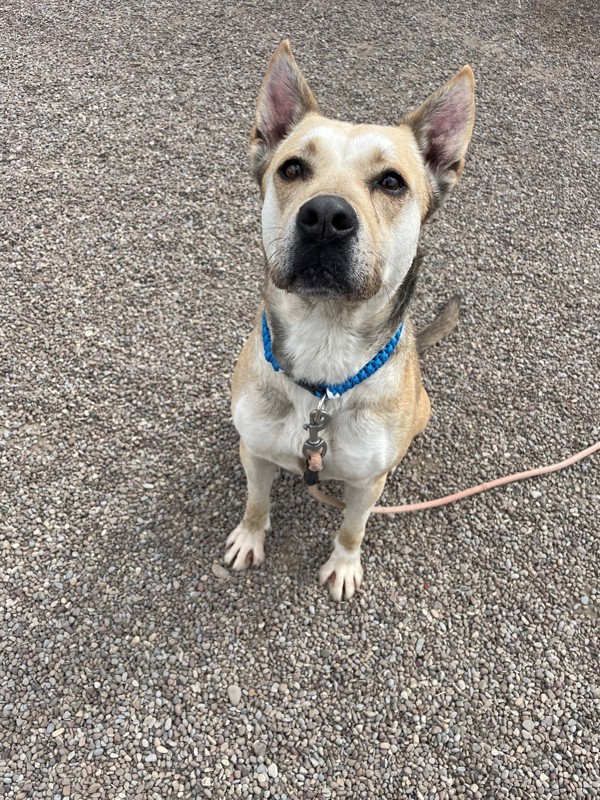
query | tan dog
[343, 206]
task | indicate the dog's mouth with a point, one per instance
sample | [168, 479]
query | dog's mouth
[326, 278]
[321, 276]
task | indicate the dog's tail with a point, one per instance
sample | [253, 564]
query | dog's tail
[445, 321]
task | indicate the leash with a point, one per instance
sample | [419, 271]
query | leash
[317, 494]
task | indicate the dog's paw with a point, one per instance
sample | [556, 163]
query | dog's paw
[245, 548]
[343, 573]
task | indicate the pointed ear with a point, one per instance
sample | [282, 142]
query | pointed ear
[442, 126]
[283, 100]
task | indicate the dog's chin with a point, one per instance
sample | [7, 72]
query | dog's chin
[320, 284]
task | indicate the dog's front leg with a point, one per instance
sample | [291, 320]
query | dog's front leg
[246, 544]
[343, 570]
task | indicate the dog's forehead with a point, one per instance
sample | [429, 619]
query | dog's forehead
[348, 142]
[345, 142]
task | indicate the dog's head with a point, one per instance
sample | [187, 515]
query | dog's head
[344, 204]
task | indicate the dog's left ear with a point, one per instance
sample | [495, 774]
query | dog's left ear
[283, 100]
[442, 126]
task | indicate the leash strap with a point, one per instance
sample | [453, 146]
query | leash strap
[317, 494]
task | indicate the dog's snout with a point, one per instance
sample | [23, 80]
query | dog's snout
[327, 217]
[322, 258]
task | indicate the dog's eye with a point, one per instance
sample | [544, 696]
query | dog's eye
[291, 169]
[392, 183]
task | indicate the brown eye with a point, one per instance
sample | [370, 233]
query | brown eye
[392, 183]
[291, 169]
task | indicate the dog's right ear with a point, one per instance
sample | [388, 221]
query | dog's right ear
[283, 100]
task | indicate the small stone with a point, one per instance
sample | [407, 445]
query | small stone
[272, 771]
[220, 572]
[584, 599]
[234, 693]
[536, 494]
[528, 725]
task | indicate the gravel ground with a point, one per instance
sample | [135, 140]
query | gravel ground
[132, 664]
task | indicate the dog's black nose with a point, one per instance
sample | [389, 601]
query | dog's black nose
[326, 217]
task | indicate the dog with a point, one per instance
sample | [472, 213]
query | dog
[332, 351]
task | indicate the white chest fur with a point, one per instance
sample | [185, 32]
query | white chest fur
[361, 444]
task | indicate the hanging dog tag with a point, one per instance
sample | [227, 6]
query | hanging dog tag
[315, 447]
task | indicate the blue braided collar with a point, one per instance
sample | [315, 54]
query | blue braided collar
[336, 389]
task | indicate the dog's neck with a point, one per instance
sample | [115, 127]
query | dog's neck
[327, 341]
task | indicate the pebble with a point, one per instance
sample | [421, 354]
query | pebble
[260, 749]
[235, 694]
[220, 571]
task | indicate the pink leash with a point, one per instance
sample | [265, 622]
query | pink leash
[452, 498]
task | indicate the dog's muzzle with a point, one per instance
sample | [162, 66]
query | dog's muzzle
[322, 260]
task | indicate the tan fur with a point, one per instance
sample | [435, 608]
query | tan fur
[327, 340]
[257, 513]
[349, 537]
